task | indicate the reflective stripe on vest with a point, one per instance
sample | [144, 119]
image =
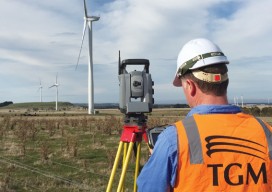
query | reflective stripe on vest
[268, 135]
[191, 129]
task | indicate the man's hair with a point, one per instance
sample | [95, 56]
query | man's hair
[217, 89]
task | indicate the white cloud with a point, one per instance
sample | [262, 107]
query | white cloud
[248, 32]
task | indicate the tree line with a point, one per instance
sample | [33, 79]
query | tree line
[256, 111]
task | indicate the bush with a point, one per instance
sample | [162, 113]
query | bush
[266, 111]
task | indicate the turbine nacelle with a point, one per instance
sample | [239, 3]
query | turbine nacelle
[92, 18]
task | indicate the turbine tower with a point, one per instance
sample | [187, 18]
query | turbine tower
[40, 89]
[88, 21]
[57, 91]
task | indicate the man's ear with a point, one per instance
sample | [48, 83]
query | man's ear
[191, 86]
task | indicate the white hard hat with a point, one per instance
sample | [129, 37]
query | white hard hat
[195, 54]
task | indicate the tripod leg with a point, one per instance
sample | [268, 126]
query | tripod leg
[137, 165]
[121, 181]
[115, 165]
[125, 152]
[124, 160]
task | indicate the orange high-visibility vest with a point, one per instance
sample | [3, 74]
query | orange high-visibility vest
[224, 152]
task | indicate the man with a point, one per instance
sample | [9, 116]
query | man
[216, 147]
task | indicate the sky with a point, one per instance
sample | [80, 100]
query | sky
[40, 39]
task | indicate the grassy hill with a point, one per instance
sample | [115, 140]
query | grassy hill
[38, 105]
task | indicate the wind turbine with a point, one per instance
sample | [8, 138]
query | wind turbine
[88, 21]
[57, 91]
[40, 89]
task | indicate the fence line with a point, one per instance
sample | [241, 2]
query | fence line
[44, 173]
[77, 168]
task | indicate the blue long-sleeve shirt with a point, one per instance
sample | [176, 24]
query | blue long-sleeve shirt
[159, 173]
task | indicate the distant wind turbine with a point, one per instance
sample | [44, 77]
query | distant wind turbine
[40, 89]
[88, 21]
[57, 91]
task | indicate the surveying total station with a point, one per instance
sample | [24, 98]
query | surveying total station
[136, 98]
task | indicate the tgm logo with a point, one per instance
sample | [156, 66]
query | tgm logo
[252, 175]
[221, 143]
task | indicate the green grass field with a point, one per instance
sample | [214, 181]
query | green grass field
[42, 105]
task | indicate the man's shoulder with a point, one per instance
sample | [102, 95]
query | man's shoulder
[170, 130]
[169, 135]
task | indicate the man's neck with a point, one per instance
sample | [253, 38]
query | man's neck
[210, 100]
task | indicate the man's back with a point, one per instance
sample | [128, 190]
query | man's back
[223, 152]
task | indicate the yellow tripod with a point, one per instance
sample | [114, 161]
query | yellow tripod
[134, 130]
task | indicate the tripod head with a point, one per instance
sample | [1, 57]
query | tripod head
[135, 119]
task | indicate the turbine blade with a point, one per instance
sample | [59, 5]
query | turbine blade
[85, 10]
[57, 78]
[82, 39]
[52, 86]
